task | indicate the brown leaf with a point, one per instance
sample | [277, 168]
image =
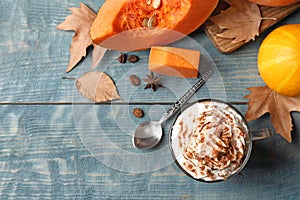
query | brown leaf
[264, 100]
[98, 53]
[241, 21]
[80, 21]
[97, 86]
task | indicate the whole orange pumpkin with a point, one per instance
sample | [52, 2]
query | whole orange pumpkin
[279, 60]
[136, 24]
[275, 3]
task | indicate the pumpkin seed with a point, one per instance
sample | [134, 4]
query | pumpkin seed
[148, 2]
[145, 22]
[152, 21]
[156, 4]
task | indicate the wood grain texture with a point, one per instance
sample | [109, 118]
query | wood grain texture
[42, 157]
[35, 54]
[52, 139]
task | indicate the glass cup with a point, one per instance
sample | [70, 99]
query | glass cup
[211, 141]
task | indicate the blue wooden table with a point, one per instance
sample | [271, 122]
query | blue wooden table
[55, 144]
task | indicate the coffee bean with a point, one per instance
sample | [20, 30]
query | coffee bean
[122, 58]
[134, 80]
[138, 112]
[133, 58]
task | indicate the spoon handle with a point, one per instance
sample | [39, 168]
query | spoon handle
[176, 106]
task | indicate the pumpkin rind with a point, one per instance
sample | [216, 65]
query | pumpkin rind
[118, 16]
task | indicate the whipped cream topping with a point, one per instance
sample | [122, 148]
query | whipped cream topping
[209, 140]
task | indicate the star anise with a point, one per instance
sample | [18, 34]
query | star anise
[152, 82]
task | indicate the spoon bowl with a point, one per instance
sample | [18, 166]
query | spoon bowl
[147, 135]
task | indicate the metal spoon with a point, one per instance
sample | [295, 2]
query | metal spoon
[149, 133]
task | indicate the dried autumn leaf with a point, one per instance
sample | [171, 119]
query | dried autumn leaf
[241, 21]
[97, 86]
[98, 54]
[264, 100]
[80, 21]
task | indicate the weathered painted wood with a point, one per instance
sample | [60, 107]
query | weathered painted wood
[42, 156]
[52, 147]
[34, 56]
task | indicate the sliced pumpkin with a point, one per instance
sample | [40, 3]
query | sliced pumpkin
[173, 61]
[172, 20]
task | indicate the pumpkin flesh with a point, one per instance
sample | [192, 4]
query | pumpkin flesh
[118, 16]
[171, 61]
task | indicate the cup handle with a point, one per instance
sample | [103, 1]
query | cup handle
[261, 134]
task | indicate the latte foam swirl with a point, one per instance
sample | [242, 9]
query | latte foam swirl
[209, 140]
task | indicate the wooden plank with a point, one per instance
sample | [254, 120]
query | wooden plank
[34, 56]
[225, 45]
[43, 153]
[42, 156]
[36, 75]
